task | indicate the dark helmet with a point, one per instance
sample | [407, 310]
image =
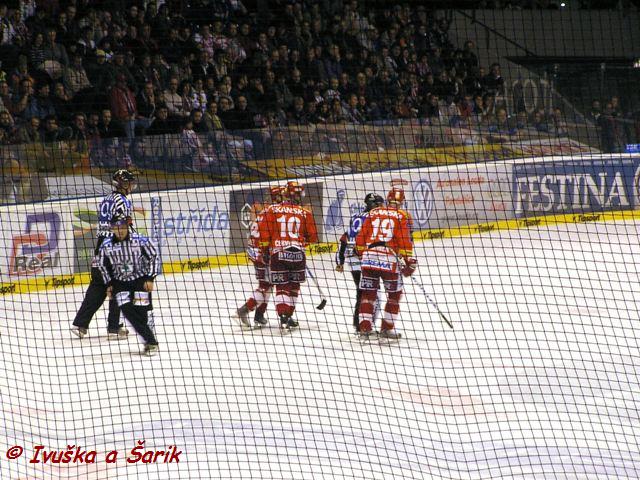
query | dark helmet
[120, 177]
[120, 220]
[373, 200]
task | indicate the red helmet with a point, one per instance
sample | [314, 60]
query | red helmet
[277, 193]
[395, 195]
[294, 191]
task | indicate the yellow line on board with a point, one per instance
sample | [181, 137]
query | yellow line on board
[529, 222]
[220, 261]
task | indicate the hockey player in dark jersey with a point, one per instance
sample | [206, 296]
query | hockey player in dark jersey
[128, 263]
[114, 204]
[346, 251]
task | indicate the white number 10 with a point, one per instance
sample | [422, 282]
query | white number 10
[289, 227]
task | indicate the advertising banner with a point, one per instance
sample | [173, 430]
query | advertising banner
[51, 243]
[35, 242]
[579, 186]
[190, 223]
[245, 204]
[343, 163]
[437, 198]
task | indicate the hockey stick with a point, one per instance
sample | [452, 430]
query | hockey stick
[323, 302]
[435, 305]
[429, 299]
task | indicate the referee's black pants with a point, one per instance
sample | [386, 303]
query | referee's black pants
[356, 313]
[93, 300]
[138, 316]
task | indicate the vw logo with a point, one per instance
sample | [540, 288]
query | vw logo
[422, 202]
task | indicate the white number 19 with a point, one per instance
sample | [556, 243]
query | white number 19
[382, 229]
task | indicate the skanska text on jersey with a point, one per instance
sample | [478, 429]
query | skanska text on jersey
[286, 209]
[399, 214]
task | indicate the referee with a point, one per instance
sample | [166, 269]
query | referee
[114, 204]
[129, 263]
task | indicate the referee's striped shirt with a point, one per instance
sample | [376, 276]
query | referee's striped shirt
[114, 204]
[129, 259]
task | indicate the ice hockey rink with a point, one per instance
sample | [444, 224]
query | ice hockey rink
[539, 379]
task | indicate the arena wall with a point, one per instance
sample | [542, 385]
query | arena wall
[50, 245]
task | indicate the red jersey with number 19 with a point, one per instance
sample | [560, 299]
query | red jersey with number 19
[286, 225]
[385, 235]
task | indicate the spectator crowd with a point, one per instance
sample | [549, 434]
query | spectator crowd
[86, 69]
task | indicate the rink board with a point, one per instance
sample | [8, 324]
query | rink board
[50, 245]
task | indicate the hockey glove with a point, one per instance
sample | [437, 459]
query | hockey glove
[409, 267]
[263, 258]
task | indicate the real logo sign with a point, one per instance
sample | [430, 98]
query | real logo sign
[36, 249]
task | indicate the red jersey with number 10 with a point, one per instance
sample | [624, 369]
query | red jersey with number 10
[287, 225]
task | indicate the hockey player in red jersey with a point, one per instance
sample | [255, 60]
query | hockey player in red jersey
[260, 297]
[285, 230]
[386, 249]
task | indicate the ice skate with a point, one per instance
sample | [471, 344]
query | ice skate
[365, 331]
[79, 331]
[390, 334]
[119, 334]
[259, 321]
[285, 323]
[242, 317]
[150, 350]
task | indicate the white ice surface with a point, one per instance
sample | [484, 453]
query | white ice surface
[538, 380]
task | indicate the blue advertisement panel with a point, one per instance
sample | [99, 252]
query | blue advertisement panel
[580, 185]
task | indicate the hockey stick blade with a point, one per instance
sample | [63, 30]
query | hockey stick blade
[446, 320]
[323, 302]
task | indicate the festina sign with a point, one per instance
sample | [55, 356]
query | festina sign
[573, 187]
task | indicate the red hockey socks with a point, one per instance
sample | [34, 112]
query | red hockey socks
[367, 306]
[286, 297]
[260, 297]
[391, 310]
